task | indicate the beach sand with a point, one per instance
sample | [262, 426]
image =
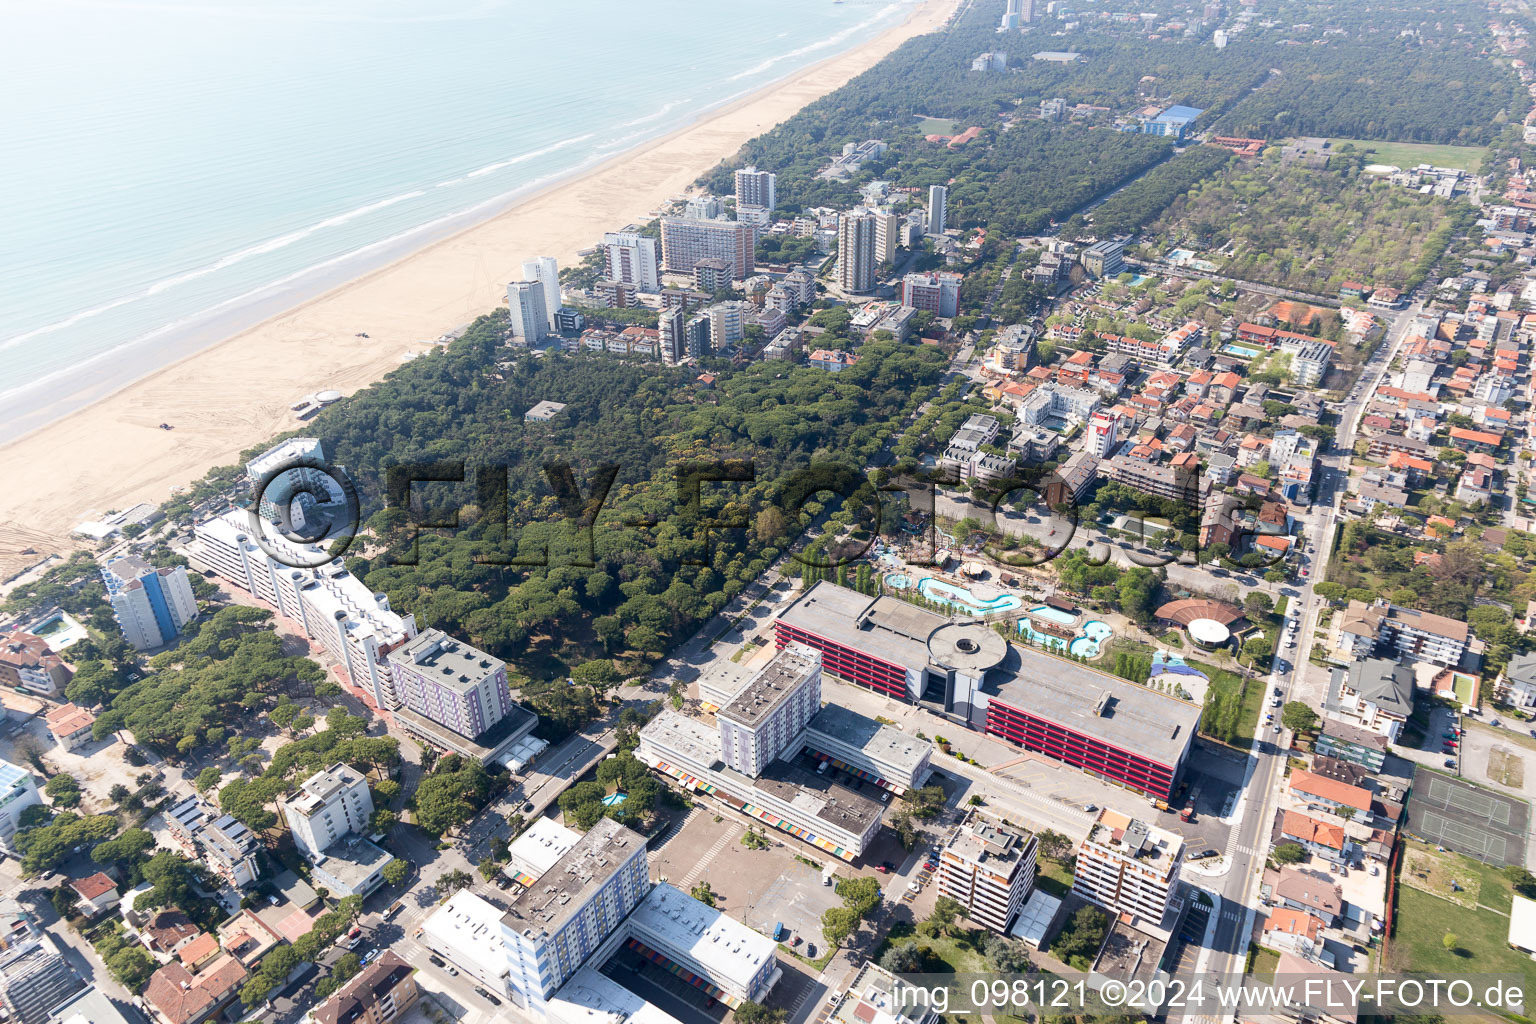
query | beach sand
[228, 397]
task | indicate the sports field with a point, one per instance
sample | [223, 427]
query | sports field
[1408, 154]
[1468, 819]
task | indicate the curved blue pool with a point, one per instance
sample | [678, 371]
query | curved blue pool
[965, 600]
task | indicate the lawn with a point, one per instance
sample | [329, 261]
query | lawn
[1225, 683]
[1423, 920]
[1506, 768]
[957, 955]
[1265, 961]
[1441, 875]
[1410, 154]
[935, 126]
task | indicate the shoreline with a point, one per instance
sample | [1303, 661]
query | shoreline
[225, 395]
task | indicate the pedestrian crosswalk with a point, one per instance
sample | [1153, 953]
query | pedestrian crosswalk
[729, 836]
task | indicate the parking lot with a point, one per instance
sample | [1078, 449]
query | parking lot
[1214, 780]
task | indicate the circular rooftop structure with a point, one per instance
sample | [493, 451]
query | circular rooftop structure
[1209, 633]
[327, 397]
[969, 646]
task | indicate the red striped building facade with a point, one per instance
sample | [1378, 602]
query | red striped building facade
[1079, 750]
[884, 677]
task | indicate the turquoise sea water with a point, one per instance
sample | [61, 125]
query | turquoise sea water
[171, 167]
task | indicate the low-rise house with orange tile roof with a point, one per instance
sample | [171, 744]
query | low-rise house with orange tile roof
[1293, 930]
[1319, 838]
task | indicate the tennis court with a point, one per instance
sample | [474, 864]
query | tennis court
[1468, 819]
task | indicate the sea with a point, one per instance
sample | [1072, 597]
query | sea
[175, 171]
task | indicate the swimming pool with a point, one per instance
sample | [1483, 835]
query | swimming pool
[614, 799]
[965, 600]
[1179, 255]
[1050, 614]
[1091, 642]
[1242, 350]
[897, 580]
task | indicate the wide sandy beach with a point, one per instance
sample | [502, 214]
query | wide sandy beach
[235, 394]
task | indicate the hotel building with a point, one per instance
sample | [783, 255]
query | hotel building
[938, 293]
[634, 259]
[354, 624]
[938, 212]
[766, 715]
[812, 806]
[990, 869]
[151, 605]
[450, 682]
[295, 492]
[530, 317]
[1127, 866]
[856, 251]
[330, 805]
[686, 240]
[756, 188]
[1126, 733]
[227, 847]
[1368, 629]
[551, 929]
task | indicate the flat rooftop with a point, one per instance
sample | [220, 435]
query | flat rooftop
[984, 843]
[565, 888]
[1105, 707]
[1136, 838]
[321, 786]
[1129, 953]
[542, 845]
[509, 728]
[892, 630]
[674, 923]
[447, 661]
[880, 743]
[591, 998]
[770, 688]
[352, 859]
[814, 794]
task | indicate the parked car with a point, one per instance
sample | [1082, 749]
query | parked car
[436, 960]
[483, 994]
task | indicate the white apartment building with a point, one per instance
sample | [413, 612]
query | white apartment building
[864, 748]
[466, 932]
[989, 869]
[856, 251]
[1366, 629]
[530, 316]
[151, 605]
[887, 236]
[938, 198]
[739, 962]
[727, 323]
[634, 259]
[756, 188]
[330, 805]
[1103, 433]
[546, 272]
[1127, 866]
[686, 240]
[1048, 401]
[18, 791]
[555, 925]
[354, 624]
[771, 710]
[702, 208]
[297, 492]
[451, 682]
